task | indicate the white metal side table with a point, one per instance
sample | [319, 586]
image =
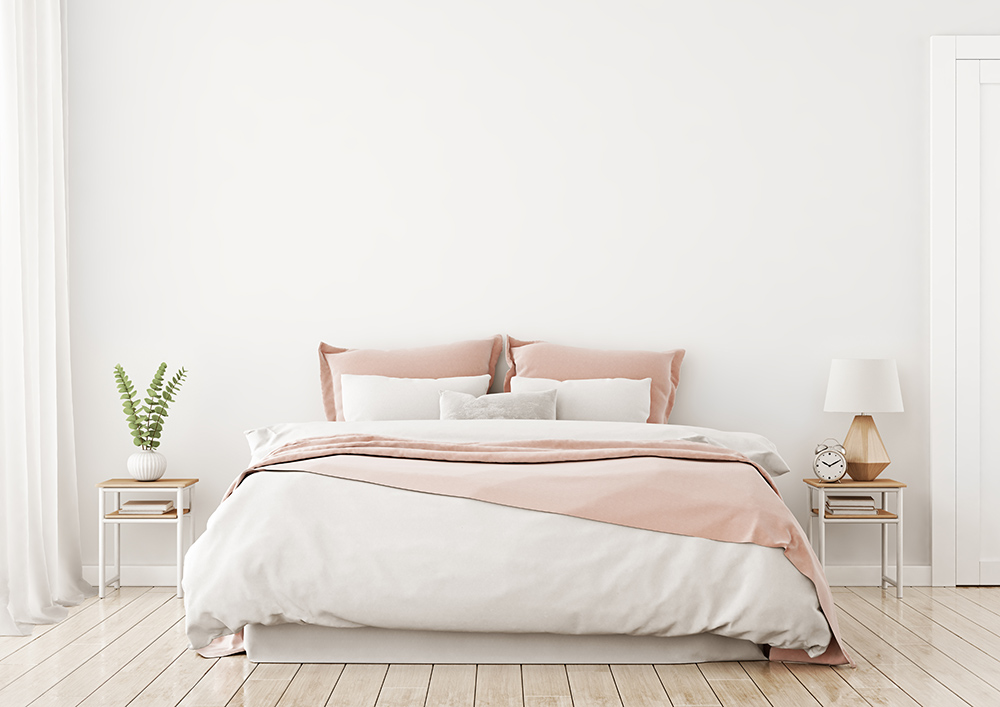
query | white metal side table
[817, 500]
[180, 516]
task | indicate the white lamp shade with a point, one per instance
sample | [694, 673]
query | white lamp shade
[863, 385]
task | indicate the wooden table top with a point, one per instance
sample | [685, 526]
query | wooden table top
[849, 483]
[158, 484]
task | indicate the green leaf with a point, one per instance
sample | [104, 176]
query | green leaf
[137, 441]
[130, 418]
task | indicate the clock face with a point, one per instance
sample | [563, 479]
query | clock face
[830, 466]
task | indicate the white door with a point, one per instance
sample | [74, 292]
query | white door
[977, 321]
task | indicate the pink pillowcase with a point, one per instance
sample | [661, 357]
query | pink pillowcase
[465, 358]
[540, 359]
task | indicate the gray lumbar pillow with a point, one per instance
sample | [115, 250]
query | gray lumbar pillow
[540, 405]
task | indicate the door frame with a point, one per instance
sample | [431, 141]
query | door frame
[954, 441]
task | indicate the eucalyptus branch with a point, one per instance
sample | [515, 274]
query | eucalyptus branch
[145, 421]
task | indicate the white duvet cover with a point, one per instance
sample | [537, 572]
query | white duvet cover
[295, 547]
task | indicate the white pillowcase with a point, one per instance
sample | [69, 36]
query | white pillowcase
[382, 398]
[599, 399]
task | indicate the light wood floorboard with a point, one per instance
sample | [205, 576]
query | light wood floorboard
[220, 682]
[988, 597]
[455, 686]
[404, 686]
[937, 647]
[779, 685]
[639, 686]
[312, 685]
[9, 644]
[46, 640]
[826, 686]
[732, 685]
[686, 686]
[499, 686]
[976, 604]
[592, 686]
[927, 651]
[897, 668]
[138, 620]
[358, 686]
[265, 686]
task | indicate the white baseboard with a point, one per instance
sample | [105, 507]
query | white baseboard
[870, 575]
[138, 575]
[838, 575]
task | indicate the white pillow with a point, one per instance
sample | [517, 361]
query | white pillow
[599, 399]
[382, 398]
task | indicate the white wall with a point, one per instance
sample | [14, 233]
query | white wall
[745, 180]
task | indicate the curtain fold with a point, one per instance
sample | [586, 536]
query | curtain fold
[40, 561]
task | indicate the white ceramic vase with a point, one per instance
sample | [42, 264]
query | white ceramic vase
[147, 465]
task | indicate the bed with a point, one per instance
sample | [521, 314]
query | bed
[490, 540]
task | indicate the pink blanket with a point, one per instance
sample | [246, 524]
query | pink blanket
[685, 488]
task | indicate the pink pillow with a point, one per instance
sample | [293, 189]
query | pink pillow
[465, 358]
[540, 359]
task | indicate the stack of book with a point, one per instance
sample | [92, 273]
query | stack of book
[146, 507]
[851, 506]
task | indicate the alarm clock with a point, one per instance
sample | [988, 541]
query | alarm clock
[830, 462]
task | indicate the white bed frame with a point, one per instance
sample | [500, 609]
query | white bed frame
[295, 643]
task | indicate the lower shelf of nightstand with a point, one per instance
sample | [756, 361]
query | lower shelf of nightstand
[879, 515]
[169, 515]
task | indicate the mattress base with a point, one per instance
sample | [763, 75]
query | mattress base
[301, 643]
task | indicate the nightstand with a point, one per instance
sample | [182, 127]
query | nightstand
[179, 488]
[817, 500]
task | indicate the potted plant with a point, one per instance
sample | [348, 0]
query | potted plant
[145, 419]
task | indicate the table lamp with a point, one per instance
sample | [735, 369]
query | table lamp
[864, 386]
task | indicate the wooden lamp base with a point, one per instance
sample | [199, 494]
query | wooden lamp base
[866, 455]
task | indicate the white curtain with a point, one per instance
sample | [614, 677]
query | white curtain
[40, 564]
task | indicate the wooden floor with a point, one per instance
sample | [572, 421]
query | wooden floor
[936, 647]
